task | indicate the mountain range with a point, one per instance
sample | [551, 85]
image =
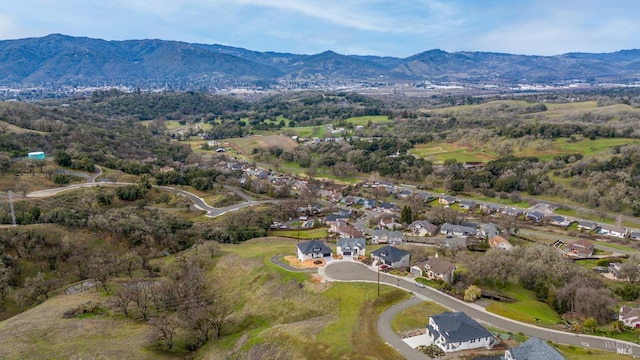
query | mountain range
[59, 60]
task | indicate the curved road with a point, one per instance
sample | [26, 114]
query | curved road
[198, 202]
[350, 271]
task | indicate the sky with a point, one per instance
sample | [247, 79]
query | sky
[398, 28]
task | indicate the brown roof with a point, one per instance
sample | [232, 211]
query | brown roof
[498, 240]
[438, 266]
[350, 230]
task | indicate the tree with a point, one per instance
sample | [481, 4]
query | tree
[630, 269]
[37, 289]
[590, 324]
[472, 293]
[406, 216]
[63, 159]
[5, 163]
[167, 327]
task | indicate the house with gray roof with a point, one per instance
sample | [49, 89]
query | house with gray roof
[533, 349]
[392, 256]
[312, 249]
[457, 331]
[467, 205]
[386, 237]
[457, 230]
[423, 228]
[488, 231]
[351, 247]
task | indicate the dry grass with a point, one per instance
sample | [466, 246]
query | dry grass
[42, 330]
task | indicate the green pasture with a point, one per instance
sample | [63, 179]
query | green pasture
[526, 309]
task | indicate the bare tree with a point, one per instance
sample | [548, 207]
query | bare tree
[37, 289]
[167, 327]
[630, 269]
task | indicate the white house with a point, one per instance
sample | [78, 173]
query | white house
[629, 316]
[438, 269]
[613, 231]
[351, 246]
[313, 249]
[457, 331]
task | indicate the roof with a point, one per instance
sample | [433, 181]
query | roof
[313, 247]
[439, 266]
[459, 327]
[351, 243]
[424, 224]
[499, 241]
[535, 349]
[390, 254]
[446, 227]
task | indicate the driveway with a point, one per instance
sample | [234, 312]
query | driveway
[348, 271]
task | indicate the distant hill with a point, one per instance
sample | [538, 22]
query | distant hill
[59, 60]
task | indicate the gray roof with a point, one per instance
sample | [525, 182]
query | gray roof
[535, 349]
[390, 254]
[459, 327]
[313, 247]
[351, 243]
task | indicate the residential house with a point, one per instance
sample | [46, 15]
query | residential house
[612, 231]
[473, 165]
[389, 223]
[467, 205]
[351, 246]
[349, 231]
[629, 316]
[423, 228]
[386, 237]
[312, 249]
[634, 235]
[499, 242]
[511, 211]
[536, 216]
[614, 269]
[490, 208]
[438, 269]
[533, 349]
[457, 230]
[587, 225]
[370, 204]
[558, 220]
[404, 194]
[457, 331]
[387, 207]
[487, 231]
[446, 200]
[580, 248]
[392, 256]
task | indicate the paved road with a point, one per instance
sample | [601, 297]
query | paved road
[384, 329]
[349, 271]
[198, 202]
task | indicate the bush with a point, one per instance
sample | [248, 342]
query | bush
[130, 192]
[61, 179]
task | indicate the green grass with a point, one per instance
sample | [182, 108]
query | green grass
[416, 317]
[358, 311]
[542, 149]
[526, 309]
[364, 120]
[576, 353]
[317, 233]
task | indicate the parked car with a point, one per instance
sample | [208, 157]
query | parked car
[420, 285]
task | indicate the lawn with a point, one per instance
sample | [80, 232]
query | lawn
[317, 233]
[527, 309]
[416, 316]
[575, 353]
[355, 330]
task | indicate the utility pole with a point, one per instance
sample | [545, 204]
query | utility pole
[378, 266]
[13, 213]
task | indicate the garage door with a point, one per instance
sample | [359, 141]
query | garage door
[346, 253]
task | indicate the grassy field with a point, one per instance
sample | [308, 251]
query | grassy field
[356, 329]
[364, 120]
[416, 316]
[18, 130]
[317, 233]
[574, 353]
[526, 309]
[542, 149]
